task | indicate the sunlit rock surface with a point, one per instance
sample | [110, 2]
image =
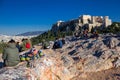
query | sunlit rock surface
[75, 59]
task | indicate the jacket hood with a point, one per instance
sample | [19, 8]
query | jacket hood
[12, 45]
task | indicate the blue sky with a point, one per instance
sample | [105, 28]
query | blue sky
[18, 16]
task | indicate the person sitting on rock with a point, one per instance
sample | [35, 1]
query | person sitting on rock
[57, 44]
[76, 35]
[95, 34]
[26, 44]
[85, 33]
[11, 54]
[45, 44]
[19, 47]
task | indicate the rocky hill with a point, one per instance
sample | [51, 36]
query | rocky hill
[81, 59]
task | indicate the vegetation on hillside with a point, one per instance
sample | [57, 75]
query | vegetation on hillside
[50, 35]
[2, 46]
[114, 28]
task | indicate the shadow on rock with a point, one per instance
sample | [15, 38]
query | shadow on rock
[1, 65]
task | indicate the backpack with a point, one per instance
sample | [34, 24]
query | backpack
[27, 45]
[34, 51]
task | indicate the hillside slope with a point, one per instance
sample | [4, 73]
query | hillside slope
[83, 59]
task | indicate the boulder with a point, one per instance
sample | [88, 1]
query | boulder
[117, 63]
[96, 65]
[111, 42]
[46, 68]
[67, 60]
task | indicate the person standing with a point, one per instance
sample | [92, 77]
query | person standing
[10, 54]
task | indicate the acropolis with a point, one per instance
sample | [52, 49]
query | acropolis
[83, 22]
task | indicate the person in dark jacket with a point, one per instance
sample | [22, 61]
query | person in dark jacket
[19, 47]
[57, 44]
[11, 54]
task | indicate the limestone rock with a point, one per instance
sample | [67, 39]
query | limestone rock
[75, 59]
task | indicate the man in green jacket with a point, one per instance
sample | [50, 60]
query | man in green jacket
[11, 54]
